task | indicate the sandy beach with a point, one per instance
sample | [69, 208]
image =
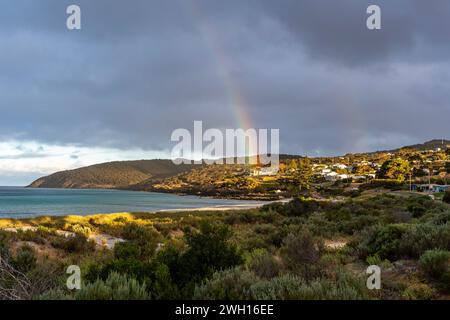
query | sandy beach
[244, 206]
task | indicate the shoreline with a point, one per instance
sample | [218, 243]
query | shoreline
[247, 206]
[236, 207]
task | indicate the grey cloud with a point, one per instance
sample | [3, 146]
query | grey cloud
[137, 70]
[24, 156]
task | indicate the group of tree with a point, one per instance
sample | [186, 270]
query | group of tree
[395, 169]
[302, 175]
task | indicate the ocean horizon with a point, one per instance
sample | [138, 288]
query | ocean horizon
[23, 202]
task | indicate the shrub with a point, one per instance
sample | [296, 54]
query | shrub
[32, 236]
[302, 254]
[127, 250]
[444, 283]
[383, 241]
[383, 183]
[163, 287]
[435, 262]
[231, 284]
[134, 268]
[53, 294]
[208, 251]
[296, 208]
[25, 260]
[418, 292]
[147, 238]
[265, 266]
[116, 287]
[80, 229]
[446, 197]
[417, 210]
[373, 260]
[291, 287]
[77, 244]
[422, 237]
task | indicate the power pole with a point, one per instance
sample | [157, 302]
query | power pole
[429, 177]
[410, 181]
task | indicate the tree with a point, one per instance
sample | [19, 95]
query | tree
[447, 166]
[303, 175]
[208, 251]
[361, 169]
[397, 169]
[292, 165]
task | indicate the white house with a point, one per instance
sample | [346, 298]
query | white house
[331, 176]
[265, 171]
[340, 166]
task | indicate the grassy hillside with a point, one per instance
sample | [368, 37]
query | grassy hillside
[111, 175]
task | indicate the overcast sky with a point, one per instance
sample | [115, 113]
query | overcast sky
[139, 69]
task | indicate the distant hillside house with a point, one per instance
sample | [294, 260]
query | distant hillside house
[430, 188]
[264, 171]
[332, 176]
[340, 166]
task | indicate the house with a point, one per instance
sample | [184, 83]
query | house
[340, 166]
[331, 176]
[265, 171]
[434, 188]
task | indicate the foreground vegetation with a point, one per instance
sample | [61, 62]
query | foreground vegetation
[305, 249]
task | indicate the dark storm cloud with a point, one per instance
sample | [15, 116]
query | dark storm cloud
[139, 69]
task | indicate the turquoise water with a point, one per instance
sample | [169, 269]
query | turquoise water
[16, 202]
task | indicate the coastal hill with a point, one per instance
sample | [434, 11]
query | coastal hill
[429, 145]
[215, 180]
[135, 175]
[119, 174]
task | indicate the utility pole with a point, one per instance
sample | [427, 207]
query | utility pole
[429, 177]
[410, 180]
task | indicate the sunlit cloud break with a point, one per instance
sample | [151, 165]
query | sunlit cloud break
[30, 160]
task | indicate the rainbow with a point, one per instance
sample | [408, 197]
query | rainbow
[211, 37]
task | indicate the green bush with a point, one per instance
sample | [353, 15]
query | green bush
[127, 250]
[422, 237]
[80, 229]
[208, 251]
[435, 262]
[418, 292]
[265, 266]
[53, 294]
[132, 267]
[446, 197]
[146, 238]
[116, 287]
[297, 207]
[383, 241]
[291, 287]
[231, 284]
[302, 253]
[444, 283]
[25, 259]
[76, 244]
[417, 210]
[163, 287]
[391, 184]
